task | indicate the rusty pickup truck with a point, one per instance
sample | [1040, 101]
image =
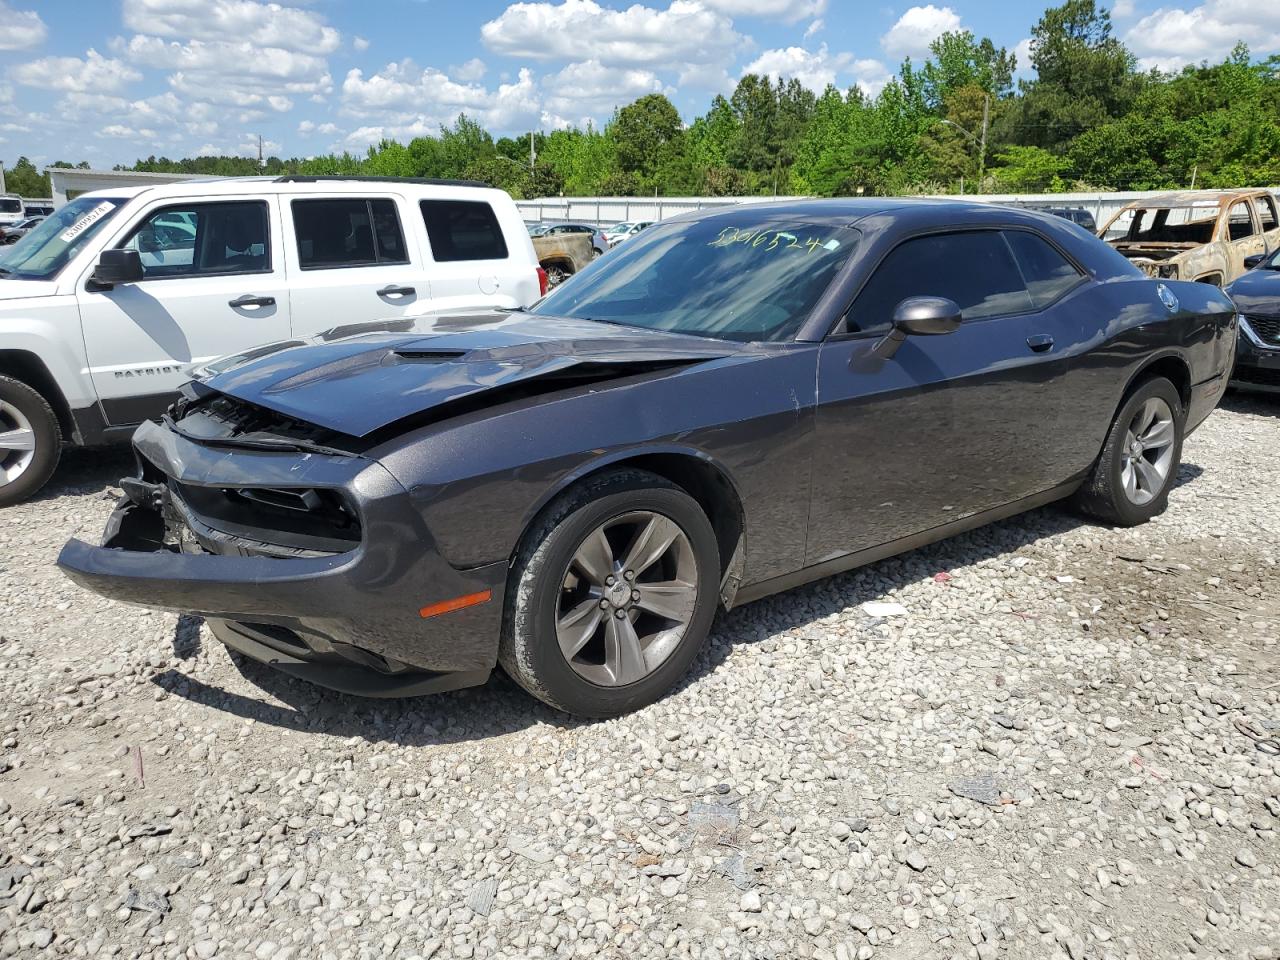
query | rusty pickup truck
[1196, 235]
[562, 254]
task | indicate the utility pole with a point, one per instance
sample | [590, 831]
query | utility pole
[532, 153]
[1, 177]
[982, 147]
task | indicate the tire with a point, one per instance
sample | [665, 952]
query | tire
[1116, 491]
[25, 416]
[547, 582]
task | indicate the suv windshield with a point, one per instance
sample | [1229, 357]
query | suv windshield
[742, 276]
[47, 248]
[10, 205]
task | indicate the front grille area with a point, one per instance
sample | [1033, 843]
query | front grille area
[267, 521]
[1267, 328]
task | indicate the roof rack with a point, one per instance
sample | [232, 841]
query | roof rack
[429, 181]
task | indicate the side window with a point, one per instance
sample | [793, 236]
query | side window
[1239, 222]
[1267, 213]
[1047, 273]
[975, 269]
[203, 239]
[463, 230]
[347, 232]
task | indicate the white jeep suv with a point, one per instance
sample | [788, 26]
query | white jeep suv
[109, 304]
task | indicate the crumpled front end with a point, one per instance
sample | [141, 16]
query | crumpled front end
[316, 563]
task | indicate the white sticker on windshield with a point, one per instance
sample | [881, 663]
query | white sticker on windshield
[87, 221]
[833, 245]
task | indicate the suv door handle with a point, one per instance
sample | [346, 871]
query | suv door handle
[391, 290]
[1040, 342]
[249, 300]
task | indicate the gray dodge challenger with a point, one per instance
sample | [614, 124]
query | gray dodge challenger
[731, 404]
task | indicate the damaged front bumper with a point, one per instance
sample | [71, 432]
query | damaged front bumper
[348, 608]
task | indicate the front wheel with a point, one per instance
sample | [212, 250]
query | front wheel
[30, 441]
[1131, 480]
[612, 595]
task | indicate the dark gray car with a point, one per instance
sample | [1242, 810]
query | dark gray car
[732, 404]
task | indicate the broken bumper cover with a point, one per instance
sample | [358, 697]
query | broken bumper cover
[348, 619]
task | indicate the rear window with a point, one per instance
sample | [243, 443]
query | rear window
[1046, 271]
[463, 230]
[347, 232]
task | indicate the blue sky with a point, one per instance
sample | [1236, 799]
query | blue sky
[111, 81]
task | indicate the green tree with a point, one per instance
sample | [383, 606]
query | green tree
[646, 132]
[25, 180]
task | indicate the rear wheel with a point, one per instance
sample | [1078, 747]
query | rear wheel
[1131, 480]
[612, 596]
[30, 441]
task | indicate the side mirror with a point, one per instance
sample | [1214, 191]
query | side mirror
[117, 266]
[919, 317]
[1253, 261]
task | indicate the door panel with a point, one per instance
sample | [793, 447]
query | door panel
[950, 426]
[351, 260]
[198, 256]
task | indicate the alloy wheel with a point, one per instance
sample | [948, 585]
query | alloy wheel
[627, 598]
[1148, 451]
[17, 443]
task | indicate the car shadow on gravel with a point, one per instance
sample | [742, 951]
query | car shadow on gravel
[1251, 402]
[501, 707]
[85, 470]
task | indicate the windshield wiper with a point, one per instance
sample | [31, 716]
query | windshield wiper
[257, 443]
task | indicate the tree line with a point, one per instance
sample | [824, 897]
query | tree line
[1089, 119]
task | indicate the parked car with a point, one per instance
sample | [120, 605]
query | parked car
[562, 254]
[107, 305]
[10, 209]
[599, 243]
[16, 231]
[625, 230]
[1257, 297]
[1201, 236]
[1077, 216]
[735, 403]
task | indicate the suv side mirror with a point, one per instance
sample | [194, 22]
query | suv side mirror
[919, 317]
[1252, 261]
[117, 266]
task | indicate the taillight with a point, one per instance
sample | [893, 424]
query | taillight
[543, 283]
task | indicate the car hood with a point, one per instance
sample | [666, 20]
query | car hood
[358, 379]
[1257, 291]
[20, 289]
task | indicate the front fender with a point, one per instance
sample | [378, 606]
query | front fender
[49, 329]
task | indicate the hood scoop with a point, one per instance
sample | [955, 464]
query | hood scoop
[420, 355]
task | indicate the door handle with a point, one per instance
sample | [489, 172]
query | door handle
[1040, 342]
[391, 290]
[249, 300]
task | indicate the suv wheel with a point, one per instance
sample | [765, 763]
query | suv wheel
[1131, 481]
[612, 596]
[30, 441]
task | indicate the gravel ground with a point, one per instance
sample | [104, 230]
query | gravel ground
[1060, 749]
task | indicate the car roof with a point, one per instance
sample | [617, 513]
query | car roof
[847, 211]
[1187, 198]
[304, 186]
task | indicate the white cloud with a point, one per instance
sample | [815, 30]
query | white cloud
[240, 21]
[1170, 37]
[814, 28]
[120, 131]
[94, 72]
[471, 71]
[817, 69]
[686, 34]
[1122, 9]
[1022, 53]
[361, 44]
[308, 127]
[788, 10]
[917, 28]
[22, 29]
[589, 89]
[399, 92]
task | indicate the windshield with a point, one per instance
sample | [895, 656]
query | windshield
[10, 205]
[1190, 223]
[739, 276]
[59, 237]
